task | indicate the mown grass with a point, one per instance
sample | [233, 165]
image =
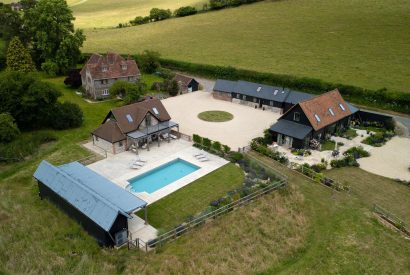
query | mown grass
[193, 198]
[108, 13]
[363, 43]
[305, 228]
[215, 116]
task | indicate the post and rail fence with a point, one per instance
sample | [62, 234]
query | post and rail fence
[392, 219]
[179, 230]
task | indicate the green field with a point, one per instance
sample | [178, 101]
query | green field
[108, 13]
[359, 42]
[305, 228]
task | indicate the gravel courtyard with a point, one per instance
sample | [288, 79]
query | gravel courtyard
[247, 123]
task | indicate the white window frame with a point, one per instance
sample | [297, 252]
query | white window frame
[105, 92]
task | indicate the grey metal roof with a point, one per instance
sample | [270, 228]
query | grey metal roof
[261, 91]
[226, 86]
[291, 129]
[95, 196]
[152, 129]
[295, 97]
[352, 108]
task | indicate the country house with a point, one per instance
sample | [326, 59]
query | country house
[101, 72]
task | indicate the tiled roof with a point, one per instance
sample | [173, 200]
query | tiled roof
[261, 91]
[183, 78]
[290, 128]
[92, 194]
[109, 131]
[110, 66]
[325, 109]
[129, 117]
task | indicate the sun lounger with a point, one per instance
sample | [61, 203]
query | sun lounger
[200, 154]
[203, 159]
[138, 159]
[173, 136]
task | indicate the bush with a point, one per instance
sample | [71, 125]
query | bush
[185, 11]
[8, 128]
[216, 145]
[197, 139]
[50, 68]
[156, 14]
[357, 152]
[73, 79]
[66, 115]
[139, 20]
[346, 161]
[396, 101]
[206, 142]
[235, 156]
[226, 149]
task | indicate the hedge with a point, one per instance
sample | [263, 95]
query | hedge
[383, 99]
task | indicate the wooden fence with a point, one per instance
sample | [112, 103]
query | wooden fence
[178, 231]
[392, 219]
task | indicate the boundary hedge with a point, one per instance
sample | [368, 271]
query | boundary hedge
[383, 99]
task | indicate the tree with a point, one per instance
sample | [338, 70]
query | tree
[66, 115]
[171, 87]
[18, 57]
[185, 11]
[54, 38]
[156, 14]
[8, 128]
[11, 24]
[119, 88]
[134, 93]
[28, 4]
[139, 20]
[149, 61]
[73, 79]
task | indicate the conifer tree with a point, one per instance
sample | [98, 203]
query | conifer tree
[18, 57]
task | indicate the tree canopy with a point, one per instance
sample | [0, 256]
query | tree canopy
[53, 34]
[129, 92]
[18, 57]
[149, 61]
[8, 128]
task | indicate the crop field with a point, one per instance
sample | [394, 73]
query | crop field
[108, 13]
[359, 42]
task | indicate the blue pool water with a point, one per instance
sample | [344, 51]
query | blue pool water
[161, 176]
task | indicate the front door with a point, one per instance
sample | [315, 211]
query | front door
[189, 89]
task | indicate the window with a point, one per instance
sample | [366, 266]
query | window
[244, 97]
[254, 99]
[148, 120]
[317, 117]
[120, 143]
[271, 103]
[342, 107]
[96, 138]
[259, 89]
[104, 68]
[129, 117]
[275, 92]
[123, 67]
[130, 78]
[331, 112]
[104, 81]
[155, 111]
[296, 116]
[105, 92]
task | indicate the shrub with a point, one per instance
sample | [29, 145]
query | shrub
[346, 161]
[318, 167]
[357, 152]
[66, 115]
[73, 79]
[170, 86]
[139, 20]
[8, 128]
[235, 156]
[156, 14]
[185, 11]
[197, 139]
[149, 61]
[50, 67]
[226, 149]
[206, 142]
[216, 145]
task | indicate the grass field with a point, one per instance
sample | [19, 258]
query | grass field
[108, 13]
[188, 201]
[359, 42]
[215, 116]
[304, 229]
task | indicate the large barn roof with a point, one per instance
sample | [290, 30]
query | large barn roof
[92, 194]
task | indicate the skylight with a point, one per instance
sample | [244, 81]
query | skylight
[129, 118]
[259, 89]
[331, 112]
[276, 92]
[155, 111]
[342, 107]
[317, 118]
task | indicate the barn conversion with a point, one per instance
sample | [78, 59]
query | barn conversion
[99, 205]
[277, 99]
[136, 124]
[312, 119]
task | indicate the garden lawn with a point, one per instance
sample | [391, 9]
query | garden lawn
[193, 198]
[327, 145]
[215, 116]
[364, 43]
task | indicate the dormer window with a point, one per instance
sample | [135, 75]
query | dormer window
[124, 67]
[104, 68]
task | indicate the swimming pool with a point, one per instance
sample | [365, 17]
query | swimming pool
[161, 176]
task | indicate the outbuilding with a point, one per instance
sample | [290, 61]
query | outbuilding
[99, 205]
[186, 84]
